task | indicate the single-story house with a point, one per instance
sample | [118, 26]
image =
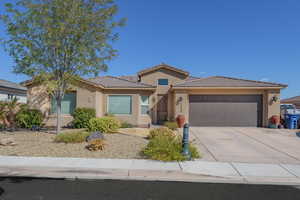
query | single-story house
[163, 92]
[293, 100]
[10, 90]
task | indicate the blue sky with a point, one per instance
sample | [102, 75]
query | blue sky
[257, 39]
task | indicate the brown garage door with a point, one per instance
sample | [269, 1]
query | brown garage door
[225, 110]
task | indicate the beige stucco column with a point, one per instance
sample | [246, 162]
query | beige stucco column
[273, 104]
[181, 104]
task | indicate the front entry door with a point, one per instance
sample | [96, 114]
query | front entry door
[162, 108]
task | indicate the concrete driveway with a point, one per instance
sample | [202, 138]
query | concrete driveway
[249, 145]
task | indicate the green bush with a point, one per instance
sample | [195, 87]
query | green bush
[126, 125]
[82, 117]
[27, 118]
[171, 125]
[163, 131]
[2, 126]
[167, 148]
[104, 124]
[72, 137]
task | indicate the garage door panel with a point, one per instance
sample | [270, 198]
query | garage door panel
[213, 110]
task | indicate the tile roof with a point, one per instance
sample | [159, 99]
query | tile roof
[165, 66]
[191, 78]
[9, 84]
[221, 81]
[291, 100]
[115, 82]
[133, 78]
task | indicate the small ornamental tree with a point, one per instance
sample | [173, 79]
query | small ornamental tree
[57, 41]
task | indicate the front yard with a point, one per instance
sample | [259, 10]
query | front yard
[90, 137]
[42, 144]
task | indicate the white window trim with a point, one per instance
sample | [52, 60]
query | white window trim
[141, 104]
[107, 104]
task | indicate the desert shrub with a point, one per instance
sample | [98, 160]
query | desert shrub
[82, 116]
[163, 131]
[96, 145]
[28, 118]
[126, 125]
[171, 125]
[8, 112]
[72, 137]
[104, 124]
[167, 148]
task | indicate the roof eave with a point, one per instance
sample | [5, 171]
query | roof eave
[30, 82]
[14, 89]
[162, 66]
[128, 88]
[213, 87]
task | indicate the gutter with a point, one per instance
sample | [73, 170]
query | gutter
[209, 88]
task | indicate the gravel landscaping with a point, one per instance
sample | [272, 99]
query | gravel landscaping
[41, 144]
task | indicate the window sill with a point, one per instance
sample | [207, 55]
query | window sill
[122, 114]
[63, 115]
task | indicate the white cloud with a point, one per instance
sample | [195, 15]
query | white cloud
[265, 79]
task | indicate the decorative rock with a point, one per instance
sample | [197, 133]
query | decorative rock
[95, 135]
[7, 142]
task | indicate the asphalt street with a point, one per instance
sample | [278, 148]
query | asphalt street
[46, 189]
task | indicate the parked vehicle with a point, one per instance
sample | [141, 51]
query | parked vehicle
[287, 110]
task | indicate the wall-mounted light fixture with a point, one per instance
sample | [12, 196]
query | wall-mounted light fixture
[179, 100]
[274, 99]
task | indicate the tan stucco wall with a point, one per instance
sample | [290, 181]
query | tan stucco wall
[92, 97]
[38, 98]
[98, 101]
[85, 97]
[273, 107]
[135, 118]
[152, 79]
[269, 109]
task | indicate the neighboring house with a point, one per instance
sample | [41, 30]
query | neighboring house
[292, 100]
[163, 92]
[9, 90]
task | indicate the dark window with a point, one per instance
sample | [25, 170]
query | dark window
[163, 81]
[68, 104]
[10, 96]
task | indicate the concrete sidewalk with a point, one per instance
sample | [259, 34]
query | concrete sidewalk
[190, 171]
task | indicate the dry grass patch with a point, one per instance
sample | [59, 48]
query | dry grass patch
[140, 132]
[41, 144]
[72, 137]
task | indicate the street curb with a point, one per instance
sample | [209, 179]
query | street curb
[134, 169]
